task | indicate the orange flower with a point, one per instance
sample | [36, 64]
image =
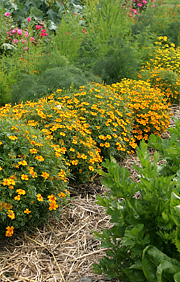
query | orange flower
[39, 198]
[33, 151]
[45, 175]
[9, 231]
[21, 192]
[17, 198]
[39, 158]
[53, 206]
[24, 177]
[27, 211]
[11, 214]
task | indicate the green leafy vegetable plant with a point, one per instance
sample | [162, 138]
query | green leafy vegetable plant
[143, 244]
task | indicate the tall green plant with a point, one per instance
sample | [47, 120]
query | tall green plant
[143, 244]
[105, 22]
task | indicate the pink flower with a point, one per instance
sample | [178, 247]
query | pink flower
[14, 31]
[144, 2]
[19, 31]
[7, 14]
[38, 27]
[139, 4]
[84, 30]
[15, 41]
[134, 11]
[25, 48]
[75, 14]
[32, 38]
[26, 34]
[29, 19]
[153, 6]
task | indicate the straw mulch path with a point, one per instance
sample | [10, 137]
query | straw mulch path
[65, 249]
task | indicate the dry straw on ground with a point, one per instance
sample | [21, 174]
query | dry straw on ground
[65, 249]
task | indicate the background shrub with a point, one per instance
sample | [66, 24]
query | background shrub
[32, 177]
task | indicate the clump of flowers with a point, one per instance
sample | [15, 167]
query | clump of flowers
[163, 69]
[31, 32]
[166, 80]
[71, 135]
[105, 115]
[33, 178]
[149, 108]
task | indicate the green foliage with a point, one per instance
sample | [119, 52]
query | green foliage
[169, 150]
[29, 174]
[69, 36]
[162, 20]
[34, 86]
[143, 244]
[121, 61]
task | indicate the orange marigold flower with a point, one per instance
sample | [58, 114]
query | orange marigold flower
[74, 162]
[33, 151]
[52, 198]
[24, 177]
[17, 198]
[11, 214]
[9, 231]
[22, 163]
[62, 195]
[39, 198]
[45, 175]
[21, 192]
[12, 137]
[107, 145]
[39, 158]
[27, 211]
[53, 206]
[91, 168]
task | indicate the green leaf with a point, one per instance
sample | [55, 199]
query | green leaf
[152, 258]
[177, 277]
[166, 271]
[135, 273]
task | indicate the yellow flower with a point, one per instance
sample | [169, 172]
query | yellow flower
[22, 163]
[91, 168]
[62, 195]
[21, 192]
[24, 177]
[17, 198]
[52, 198]
[12, 137]
[0, 168]
[9, 231]
[39, 198]
[74, 162]
[107, 145]
[27, 211]
[53, 206]
[33, 151]
[45, 175]
[11, 214]
[39, 158]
